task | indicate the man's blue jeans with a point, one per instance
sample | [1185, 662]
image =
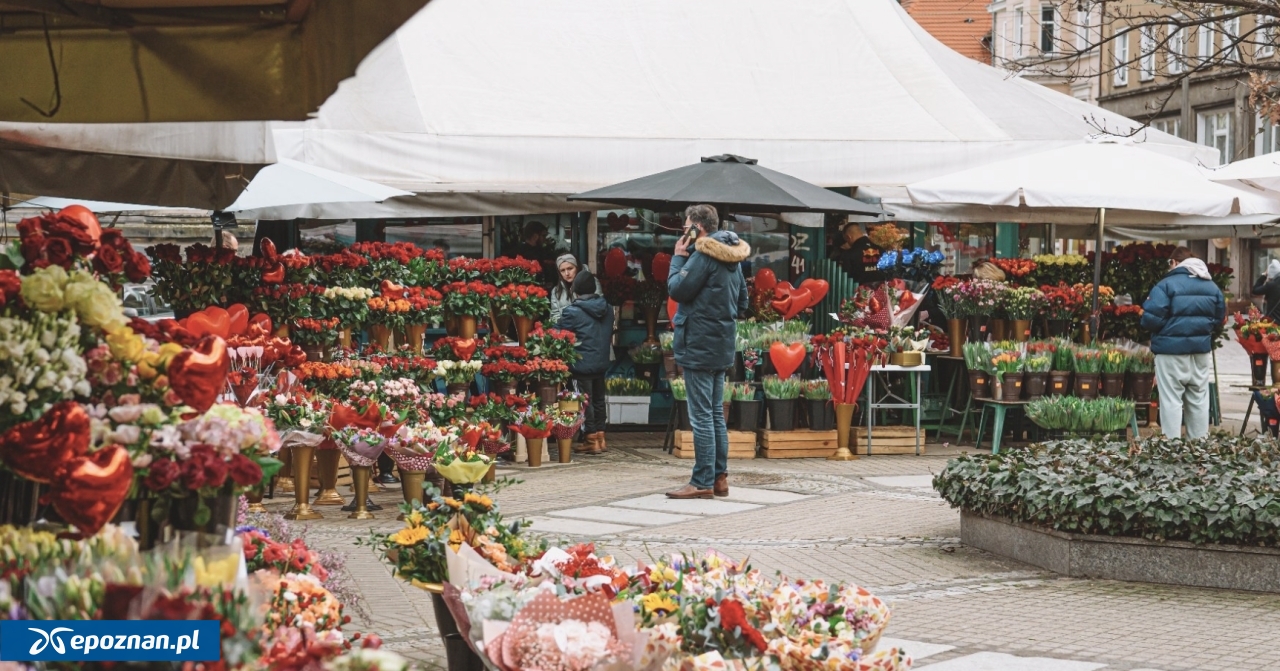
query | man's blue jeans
[710, 435]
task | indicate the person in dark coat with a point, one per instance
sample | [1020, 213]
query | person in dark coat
[590, 319]
[858, 255]
[1268, 286]
[1182, 312]
[708, 285]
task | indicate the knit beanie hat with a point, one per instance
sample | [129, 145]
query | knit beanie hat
[584, 284]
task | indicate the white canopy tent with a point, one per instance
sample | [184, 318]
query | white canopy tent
[503, 106]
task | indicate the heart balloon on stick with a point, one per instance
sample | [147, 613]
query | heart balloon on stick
[239, 316]
[36, 450]
[89, 490]
[817, 290]
[786, 358]
[661, 266]
[765, 280]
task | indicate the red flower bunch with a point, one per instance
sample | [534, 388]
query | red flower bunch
[733, 617]
[559, 334]
[1061, 302]
[342, 260]
[203, 468]
[74, 233]
[506, 353]
[522, 300]
[548, 370]
[468, 298]
[944, 282]
[288, 292]
[242, 377]
[514, 401]
[505, 371]
[512, 271]
[462, 269]
[316, 324]
[260, 552]
[618, 290]
[10, 286]
[583, 563]
[400, 252]
[1015, 269]
[202, 253]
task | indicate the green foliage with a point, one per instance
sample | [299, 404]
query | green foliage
[779, 389]
[744, 391]
[678, 390]
[1064, 355]
[977, 356]
[1067, 413]
[1088, 361]
[1222, 489]
[817, 390]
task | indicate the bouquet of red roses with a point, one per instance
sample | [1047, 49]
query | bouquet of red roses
[468, 298]
[522, 300]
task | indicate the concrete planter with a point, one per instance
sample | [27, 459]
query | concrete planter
[1122, 558]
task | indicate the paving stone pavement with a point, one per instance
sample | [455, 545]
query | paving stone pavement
[874, 521]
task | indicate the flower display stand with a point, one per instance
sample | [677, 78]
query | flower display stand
[628, 409]
[798, 444]
[742, 445]
[890, 439]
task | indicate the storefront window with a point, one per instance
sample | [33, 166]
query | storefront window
[642, 233]
[456, 236]
[962, 244]
[1033, 239]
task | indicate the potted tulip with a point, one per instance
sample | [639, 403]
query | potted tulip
[1088, 369]
[817, 394]
[780, 395]
[680, 394]
[746, 408]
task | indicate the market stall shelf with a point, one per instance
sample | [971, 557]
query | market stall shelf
[797, 444]
[742, 445]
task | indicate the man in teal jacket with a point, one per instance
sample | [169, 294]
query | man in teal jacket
[1182, 312]
[707, 283]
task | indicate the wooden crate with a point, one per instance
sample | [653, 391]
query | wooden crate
[889, 440]
[797, 444]
[742, 445]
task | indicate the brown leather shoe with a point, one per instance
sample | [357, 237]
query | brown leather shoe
[600, 445]
[721, 488]
[588, 444]
[690, 492]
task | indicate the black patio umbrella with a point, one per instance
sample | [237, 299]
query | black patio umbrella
[730, 182]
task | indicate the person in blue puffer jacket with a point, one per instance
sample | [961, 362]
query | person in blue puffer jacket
[590, 319]
[1182, 312]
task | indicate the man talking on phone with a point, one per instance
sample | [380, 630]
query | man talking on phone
[707, 282]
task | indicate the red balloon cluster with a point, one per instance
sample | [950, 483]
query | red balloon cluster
[790, 301]
[86, 489]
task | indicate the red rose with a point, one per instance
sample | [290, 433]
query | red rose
[81, 240]
[10, 286]
[59, 252]
[108, 261]
[32, 247]
[161, 474]
[193, 476]
[245, 471]
[114, 237]
[137, 267]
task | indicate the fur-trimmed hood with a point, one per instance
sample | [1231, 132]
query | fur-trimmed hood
[724, 246]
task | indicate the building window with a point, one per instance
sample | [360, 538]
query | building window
[1214, 130]
[1266, 38]
[1048, 29]
[1121, 50]
[1170, 125]
[1147, 53]
[1177, 48]
[1204, 42]
[1004, 40]
[1231, 39]
[1018, 28]
[1267, 139]
[1082, 26]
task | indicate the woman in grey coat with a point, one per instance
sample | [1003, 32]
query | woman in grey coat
[562, 296]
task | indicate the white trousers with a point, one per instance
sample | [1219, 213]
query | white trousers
[1183, 381]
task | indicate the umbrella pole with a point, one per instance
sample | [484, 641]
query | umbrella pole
[1096, 321]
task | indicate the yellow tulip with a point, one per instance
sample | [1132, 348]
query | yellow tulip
[125, 345]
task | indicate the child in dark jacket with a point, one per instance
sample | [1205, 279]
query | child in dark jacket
[590, 319]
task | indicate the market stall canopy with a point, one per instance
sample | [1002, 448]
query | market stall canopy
[1093, 175]
[731, 182]
[292, 183]
[125, 61]
[95, 206]
[1260, 173]
[199, 165]
[580, 94]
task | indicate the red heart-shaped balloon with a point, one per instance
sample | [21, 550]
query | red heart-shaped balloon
[199, 375]
[672, 307]
[212, 320]
[799, 301]
[766, 280]
[615, 262]
[268, 247]
[782, 290]
[782, 305]
[36, 450]
[264, 320]
[786, 358]
[463, 349]
[89, 490]
[344, 415]
[661, 267]
[817, 290]
[239, 316]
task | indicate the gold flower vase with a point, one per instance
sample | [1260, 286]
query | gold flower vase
[301, 455]
[565, 446]
[535, 451]
[844, 430]
[327, 460]
[411, 487]
[284, 481]
[380, 335]
[254, 497]
[360, 479]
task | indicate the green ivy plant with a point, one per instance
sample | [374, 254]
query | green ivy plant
[1222, 489]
